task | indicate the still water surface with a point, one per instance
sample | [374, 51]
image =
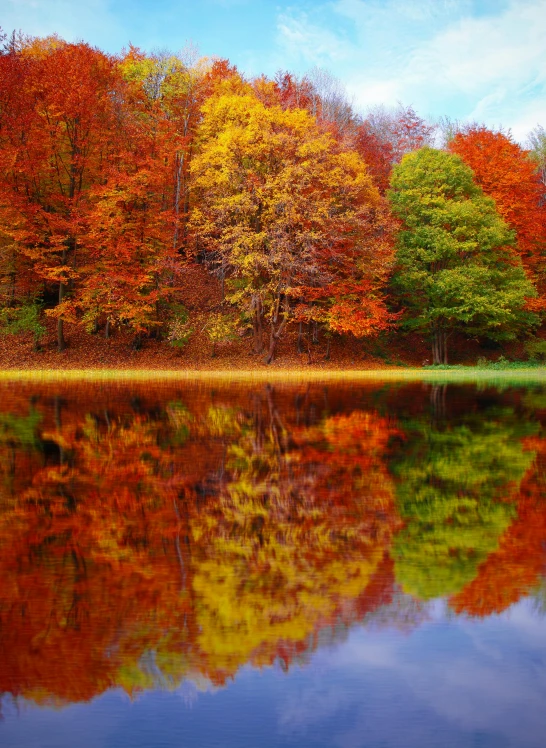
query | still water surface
[272, 566]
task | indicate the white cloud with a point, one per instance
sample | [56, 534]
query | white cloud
[475, 53]
[434, 54]
[463, 678]
[66, 18]
[300, 38]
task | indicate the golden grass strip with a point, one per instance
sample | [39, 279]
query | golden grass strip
[469, 374]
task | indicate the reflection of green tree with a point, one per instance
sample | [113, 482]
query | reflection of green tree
[454, 493]
[18, 439]
[20, 431]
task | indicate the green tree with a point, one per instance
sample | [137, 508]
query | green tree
[457, 269]
[24, 318]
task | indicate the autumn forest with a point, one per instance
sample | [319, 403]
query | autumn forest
[157, 199]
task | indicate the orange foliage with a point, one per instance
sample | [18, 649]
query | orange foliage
[506, 173]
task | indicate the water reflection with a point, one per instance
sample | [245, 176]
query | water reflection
[155, 535]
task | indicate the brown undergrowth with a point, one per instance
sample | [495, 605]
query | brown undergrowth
[85, 351]
[201, 295]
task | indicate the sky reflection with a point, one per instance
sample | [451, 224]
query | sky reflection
[450, 682]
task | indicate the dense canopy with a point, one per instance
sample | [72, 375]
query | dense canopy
[120, 173]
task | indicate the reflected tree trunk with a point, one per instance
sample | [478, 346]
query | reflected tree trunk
[438, 403]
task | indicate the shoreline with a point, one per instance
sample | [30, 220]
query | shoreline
[468, 374]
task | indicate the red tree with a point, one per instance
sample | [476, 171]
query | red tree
[506, 173]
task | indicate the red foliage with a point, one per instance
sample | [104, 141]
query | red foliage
[506, 173]
[378, 155]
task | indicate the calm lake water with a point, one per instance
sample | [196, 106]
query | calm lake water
[233, 566]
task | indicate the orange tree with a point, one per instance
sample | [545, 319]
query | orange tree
[58, 128]
[506, 173]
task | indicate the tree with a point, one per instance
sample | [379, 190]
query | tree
[456, 265]
[506, 173]
[220, 329]
[136, 228]
[272, 240]
[378, 154]
[402, 129]
[537, 151]
[321, 94]
[57, 123]
[173, 88]
[129, 253]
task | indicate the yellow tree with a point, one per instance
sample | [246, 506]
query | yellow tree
[280, 206]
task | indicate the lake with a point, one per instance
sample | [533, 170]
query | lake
[272, 565]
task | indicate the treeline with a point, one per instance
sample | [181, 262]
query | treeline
[117, 172]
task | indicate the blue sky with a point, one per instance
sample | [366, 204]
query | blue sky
[480, 60]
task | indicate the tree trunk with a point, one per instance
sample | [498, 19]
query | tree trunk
[438, 403]
[300, 338]
[70, 243]
[276, 334]
[61, 343]
[179, 166]
[272, 344]
[439, 346]
[256, 306]
[107, 330]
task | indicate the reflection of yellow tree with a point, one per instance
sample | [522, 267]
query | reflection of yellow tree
[305, 520]
[146, 543]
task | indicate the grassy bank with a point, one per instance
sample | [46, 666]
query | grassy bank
[454, 375]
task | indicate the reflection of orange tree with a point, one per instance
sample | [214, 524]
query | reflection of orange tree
[150, 543]
[88, 567]
[305, 519]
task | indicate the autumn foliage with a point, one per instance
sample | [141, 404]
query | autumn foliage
[506, 173]
[119, 172]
